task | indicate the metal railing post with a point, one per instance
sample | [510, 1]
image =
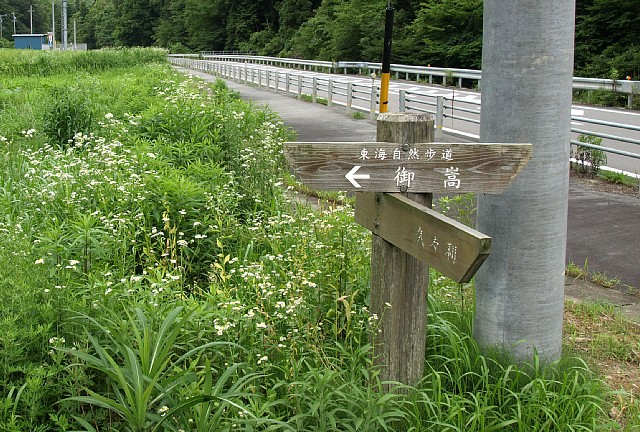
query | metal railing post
[299, 86]
[439, 117]
[349, 96]
[330, 93]
[402, 100]
[374, 100]
[277, 78]
[314, 90]
[287, 87]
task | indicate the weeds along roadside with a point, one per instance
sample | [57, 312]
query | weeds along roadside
[168, 283]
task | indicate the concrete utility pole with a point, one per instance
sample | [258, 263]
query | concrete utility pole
[14, 22]
[527, 65]
[1, 25]
[65, 31]
[31, 18]
[53, 22]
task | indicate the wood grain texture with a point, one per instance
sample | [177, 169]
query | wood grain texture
[450, 247]
[399, 279]
[419, 167]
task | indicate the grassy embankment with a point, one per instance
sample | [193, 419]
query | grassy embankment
[156, 276]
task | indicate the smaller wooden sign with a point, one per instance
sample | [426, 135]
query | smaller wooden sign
[450, 247]
[396, 167]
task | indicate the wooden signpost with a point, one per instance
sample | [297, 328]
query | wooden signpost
[454, 249]
[407, 235]
[404, 167]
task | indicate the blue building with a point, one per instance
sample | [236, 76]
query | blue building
[30, 41]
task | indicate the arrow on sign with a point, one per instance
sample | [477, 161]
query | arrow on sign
[352, 176]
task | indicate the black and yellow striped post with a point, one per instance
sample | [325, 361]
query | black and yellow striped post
[386, 61]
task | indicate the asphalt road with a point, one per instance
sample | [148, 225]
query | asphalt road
[462, 108]
[603, 228]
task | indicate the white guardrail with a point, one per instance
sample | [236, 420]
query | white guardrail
[342, 92]
[415, 73]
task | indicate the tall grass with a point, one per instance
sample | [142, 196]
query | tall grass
[25, 63]
[168, 281]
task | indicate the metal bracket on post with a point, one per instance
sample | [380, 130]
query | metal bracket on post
[314, 91]
[374, 102]
[439, 117]
[330, 94]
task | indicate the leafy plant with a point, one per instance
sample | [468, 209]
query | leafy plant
[143, 367]
[588, 159]
[69, 113]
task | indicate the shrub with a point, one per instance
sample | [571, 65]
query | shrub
[588, 159]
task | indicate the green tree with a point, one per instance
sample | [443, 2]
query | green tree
[313, 39]
[136, 21]
[172, 25]
[607, 37]
[448, 33]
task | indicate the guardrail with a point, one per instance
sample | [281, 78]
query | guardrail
[317, 88]
[447, 76]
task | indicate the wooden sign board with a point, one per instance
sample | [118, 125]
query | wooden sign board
[452, 248]
[419, 168]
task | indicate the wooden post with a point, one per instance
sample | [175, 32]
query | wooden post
[397, 278]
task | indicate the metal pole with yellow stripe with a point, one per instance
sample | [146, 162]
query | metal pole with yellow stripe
[386, 60]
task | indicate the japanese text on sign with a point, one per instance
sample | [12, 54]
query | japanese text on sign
[404, 177]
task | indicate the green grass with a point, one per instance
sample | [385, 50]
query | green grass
[157, 275]
[619, 178]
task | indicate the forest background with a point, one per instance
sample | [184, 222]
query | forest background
[445, 33]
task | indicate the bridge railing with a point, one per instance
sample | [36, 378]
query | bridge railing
[442, 107]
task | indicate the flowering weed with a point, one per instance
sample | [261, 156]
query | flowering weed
[169, 280]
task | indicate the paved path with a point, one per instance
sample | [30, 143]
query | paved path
[603, 229]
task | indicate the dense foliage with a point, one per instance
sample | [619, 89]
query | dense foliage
[444, 33]
[158, 276]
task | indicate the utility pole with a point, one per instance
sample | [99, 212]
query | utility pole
[53, 22]
[64, 25]
[75, 44]
[14, 22]
[527, 65]
[31, 18]
[386, 59]
[1, 17]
